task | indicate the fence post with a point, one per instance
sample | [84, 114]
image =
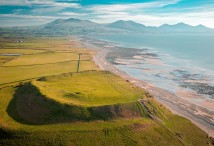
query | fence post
[78, 65]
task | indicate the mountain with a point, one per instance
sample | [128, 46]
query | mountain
[184, 28]
[77, 27]
[202, 28]
[128, 25]
[68, 23]
[72, 26]
[181, 26]
[165, 28]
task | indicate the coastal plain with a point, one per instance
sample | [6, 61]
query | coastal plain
[53, 93]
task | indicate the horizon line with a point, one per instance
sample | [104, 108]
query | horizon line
[108, 23]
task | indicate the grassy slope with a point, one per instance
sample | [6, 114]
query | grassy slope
[22, 107]
[137, 131]
[89, 89]
[29, 106]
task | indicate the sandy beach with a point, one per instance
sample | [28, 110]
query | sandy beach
[200, 116]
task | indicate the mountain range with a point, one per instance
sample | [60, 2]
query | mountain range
[74, 26]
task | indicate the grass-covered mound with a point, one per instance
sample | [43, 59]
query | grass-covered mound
[91, 88]
[29, 106]
[71, 97]
[155, 125]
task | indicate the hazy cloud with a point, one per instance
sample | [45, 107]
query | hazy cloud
[39, 2]
[156, 12]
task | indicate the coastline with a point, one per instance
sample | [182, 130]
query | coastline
[198, 115]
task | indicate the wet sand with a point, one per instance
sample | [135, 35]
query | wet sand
[200, 116]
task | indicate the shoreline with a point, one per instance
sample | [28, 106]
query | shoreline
[196, 114]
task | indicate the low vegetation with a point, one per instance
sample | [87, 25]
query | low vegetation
[41, 57]
[52, 104]
[88, 89]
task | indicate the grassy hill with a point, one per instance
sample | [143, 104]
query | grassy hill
[31, 106]
[46, 105]
[88, 89]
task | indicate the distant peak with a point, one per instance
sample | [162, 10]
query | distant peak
[178, 24]
[120, 21]
[130, 21]
[58, 20]
[182, 24]
[165, 25]
[125, 21]
[72, 19]
[200, 25]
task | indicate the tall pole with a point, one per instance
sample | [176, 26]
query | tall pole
[78, 65]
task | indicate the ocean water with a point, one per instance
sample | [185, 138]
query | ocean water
[178, 62]
[198, 49]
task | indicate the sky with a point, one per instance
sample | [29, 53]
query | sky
[147, 12]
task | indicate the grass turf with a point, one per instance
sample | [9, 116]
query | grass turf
[100, 94]
[42, 59]
[21, 51]
[123, 131]
[14, 74]
[93, 88]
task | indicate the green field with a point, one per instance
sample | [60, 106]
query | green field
[44, 58]
[52, 104]
[21, 51]
[41, 57]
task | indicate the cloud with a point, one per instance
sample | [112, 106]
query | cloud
[44, 10]
[26, 16]
[132, 7]
[70, 4]
[72, 14]
[153, 13]
[13, 2]
[8, 20]
[136, 11]
[192, 18]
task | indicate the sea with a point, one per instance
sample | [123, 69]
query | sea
[182, 64]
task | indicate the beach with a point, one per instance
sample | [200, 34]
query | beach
[200, 116]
